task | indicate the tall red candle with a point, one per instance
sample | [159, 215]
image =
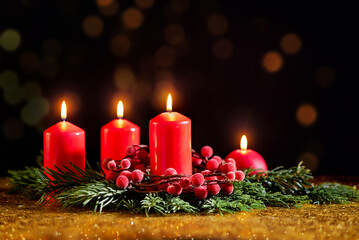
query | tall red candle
[170, 142]
[246, 158]
[63, 143]
[116, 136]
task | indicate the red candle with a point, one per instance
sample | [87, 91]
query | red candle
[116, 136]
[170, 142]
[63, 143]
[246, 158]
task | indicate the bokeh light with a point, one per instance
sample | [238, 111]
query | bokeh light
[217, 24]
[14, 94]
[306, 114]
[272, 61]
[8, 79]
[290, 43]
[165, 56]
[144, 3]
[180, 6]
[124, 77]
[310, 160]
[10, 40]
[109, 10]
[93, 26]
[52, 48]
[33, 112]
[174, 34]
[13, 129]
[29, 62]
[132, 18]
[223, 49]
[324, 76]
[120, 45]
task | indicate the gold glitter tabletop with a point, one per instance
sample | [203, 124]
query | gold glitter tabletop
[21, 218]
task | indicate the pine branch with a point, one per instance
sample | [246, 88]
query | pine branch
[292, 181]
[328, 193]
[153, 202]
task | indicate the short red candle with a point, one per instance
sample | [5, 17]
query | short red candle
[63, 143]
[246, 158]
[116, 136]
[170, 142]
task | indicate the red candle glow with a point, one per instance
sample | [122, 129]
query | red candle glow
[246, 158]
[116, 136]
[170, 142]
[63, 143]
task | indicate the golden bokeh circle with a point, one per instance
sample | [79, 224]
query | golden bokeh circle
[10, 40]
[132, 18]
[222, 49]
[104, 3]
[291, 43]
[306, 114]
[272, 61]
[217, 24]
[93, 26]
[124, 77]
[120, 45]
[109, 10]
[310, 160]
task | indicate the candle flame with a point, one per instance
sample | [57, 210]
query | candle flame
[169, 103]
[63, 111]
[120, 110]
[244, 143]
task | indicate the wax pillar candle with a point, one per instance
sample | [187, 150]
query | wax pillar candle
[116, 136]
[63, 143]
[170, 142]
[246, 158]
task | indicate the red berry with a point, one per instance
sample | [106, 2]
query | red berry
[206, 151]
[125, 163]
[231, 176]
[206, 172]
[213, 189]
[197, 179]
[134, 163]
[170, 171]
[227, 188]
[127, 174]
[163, 186]
[201, 192]
[122, 181]
[105, 162]
[111, 165]
[212, 165]
[185, 182]
[196, 161]
[218, 158]
[174, 189]
[228, 167]
[141, 167]
[131, 151]
[240, 175]
[231, 160]
[142, 155]
[111, 176]
[137, 175]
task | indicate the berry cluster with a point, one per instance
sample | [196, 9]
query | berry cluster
[211, 174]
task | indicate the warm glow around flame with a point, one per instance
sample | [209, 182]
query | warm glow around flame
[63, 111]
[120, 109]
[244, 143]
[169, 103]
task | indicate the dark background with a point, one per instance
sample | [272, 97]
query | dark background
[217, 77]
